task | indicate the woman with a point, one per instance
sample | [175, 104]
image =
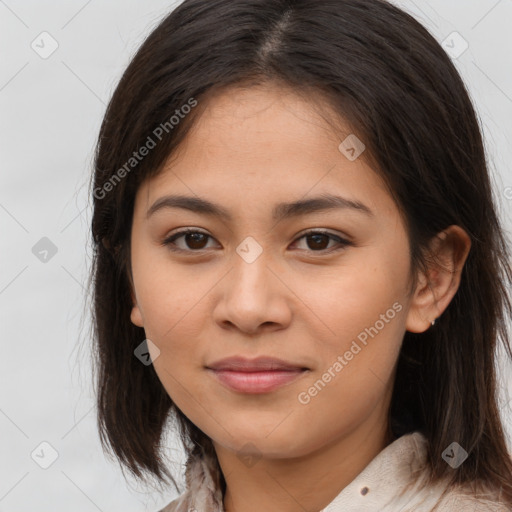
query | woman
[298, 259]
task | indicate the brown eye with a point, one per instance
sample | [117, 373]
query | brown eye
[194, 240]
[318, 241]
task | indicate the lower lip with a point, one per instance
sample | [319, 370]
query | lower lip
[256, 382]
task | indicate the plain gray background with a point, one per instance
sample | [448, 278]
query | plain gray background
[51, 110]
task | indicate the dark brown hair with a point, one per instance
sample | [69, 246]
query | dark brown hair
[382, 72]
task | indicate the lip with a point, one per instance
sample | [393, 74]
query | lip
[259, 364]
[260, 375]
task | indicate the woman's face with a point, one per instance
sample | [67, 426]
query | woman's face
[250, 284]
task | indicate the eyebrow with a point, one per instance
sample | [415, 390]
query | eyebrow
[280, 212]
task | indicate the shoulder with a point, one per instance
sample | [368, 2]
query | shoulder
[180, 504]
[466, 499]
[176, 505]
[203, 490]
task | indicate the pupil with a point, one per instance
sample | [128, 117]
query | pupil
[316, 240]
[196, 237]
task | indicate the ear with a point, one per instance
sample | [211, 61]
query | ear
[136, 315]
[435, 290]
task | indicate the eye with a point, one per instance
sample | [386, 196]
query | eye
[195, 241]
[317, 240]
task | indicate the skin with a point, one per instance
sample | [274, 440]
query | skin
[300, 300]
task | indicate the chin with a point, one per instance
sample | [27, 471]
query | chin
[262, 441]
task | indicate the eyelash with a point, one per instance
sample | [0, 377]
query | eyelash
[169, 241]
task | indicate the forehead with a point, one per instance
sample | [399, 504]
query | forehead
[266, 119]
[266, 144]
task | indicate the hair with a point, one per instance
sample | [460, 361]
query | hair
[383, 73]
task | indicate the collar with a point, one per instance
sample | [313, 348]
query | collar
[392, 481]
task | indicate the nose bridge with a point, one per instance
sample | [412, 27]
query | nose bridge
[252, 294]
[251, 274]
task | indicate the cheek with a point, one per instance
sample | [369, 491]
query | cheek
[176, 309]
[354, 299]
[362, 310]
[168, 297]
[356, 366]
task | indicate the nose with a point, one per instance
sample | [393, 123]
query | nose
[253, 298]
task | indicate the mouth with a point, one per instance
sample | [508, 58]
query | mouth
[254, 376]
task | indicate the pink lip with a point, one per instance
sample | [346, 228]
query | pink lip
[260, 375]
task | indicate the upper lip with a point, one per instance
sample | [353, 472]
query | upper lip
[263, 363]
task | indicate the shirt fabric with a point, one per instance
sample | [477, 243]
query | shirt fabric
[391, 482]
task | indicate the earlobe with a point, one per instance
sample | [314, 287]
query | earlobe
[418, 319]
[417, 323]
[136, 317]
[434, 292]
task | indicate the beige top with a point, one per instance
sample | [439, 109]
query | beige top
[389, 483]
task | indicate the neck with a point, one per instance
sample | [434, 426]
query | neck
[308, 482]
